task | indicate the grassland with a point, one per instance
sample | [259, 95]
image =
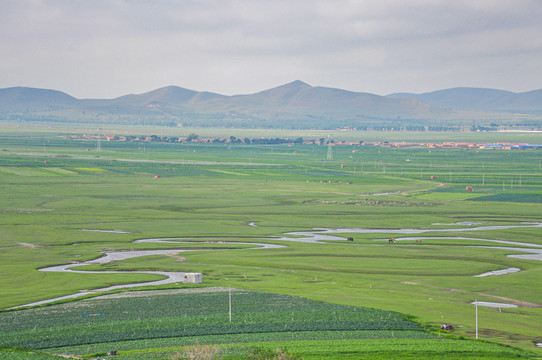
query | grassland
[54, 189]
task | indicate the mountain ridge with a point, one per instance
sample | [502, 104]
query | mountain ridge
[25, 95]
[295, 104]
[479, 99]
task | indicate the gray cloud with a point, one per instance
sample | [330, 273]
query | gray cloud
[110, 48]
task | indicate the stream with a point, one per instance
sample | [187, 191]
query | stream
[170, 277]
[319, 235]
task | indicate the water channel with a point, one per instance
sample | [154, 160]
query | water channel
[320, 235]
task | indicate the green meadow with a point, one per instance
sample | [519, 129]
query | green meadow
[67, 201]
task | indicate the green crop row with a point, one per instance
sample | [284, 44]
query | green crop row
[242, 338]
[190, 309]
[96, 321]
[330, 348]
[13, 353]
[397, 349]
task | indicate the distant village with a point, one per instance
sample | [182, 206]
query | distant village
[193, 138]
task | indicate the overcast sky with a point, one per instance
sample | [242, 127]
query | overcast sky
[109, 48]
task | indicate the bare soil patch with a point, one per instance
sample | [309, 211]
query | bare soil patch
[27, 245]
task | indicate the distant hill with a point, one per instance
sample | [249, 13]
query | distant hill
[298, 100]
[166, 96]
[30, 98]
[479, 99]
[292, 105]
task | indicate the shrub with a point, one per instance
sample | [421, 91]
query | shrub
[268, 354]
[198, 353]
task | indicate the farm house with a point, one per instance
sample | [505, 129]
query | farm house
[192, 278]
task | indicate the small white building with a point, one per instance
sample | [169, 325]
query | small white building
[192, 278]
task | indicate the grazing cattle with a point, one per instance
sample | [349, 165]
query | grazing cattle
[350, 239]
[391, 240]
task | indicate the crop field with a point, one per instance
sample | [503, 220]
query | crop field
[142, 325]
[226, 208]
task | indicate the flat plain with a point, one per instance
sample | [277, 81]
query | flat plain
[68, 201]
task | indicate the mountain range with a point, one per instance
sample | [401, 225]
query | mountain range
[293, 105]
[479, 99]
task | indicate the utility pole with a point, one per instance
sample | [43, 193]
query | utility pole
[98, 144]
[329, 149]
[229, 291]
[476, 312]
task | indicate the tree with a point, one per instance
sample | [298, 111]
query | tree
[191, 137]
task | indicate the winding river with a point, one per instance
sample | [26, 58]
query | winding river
[170, 277]
[320, 235]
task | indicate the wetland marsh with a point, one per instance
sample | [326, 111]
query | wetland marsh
[64, 205]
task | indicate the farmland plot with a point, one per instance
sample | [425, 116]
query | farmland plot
[167, 322]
